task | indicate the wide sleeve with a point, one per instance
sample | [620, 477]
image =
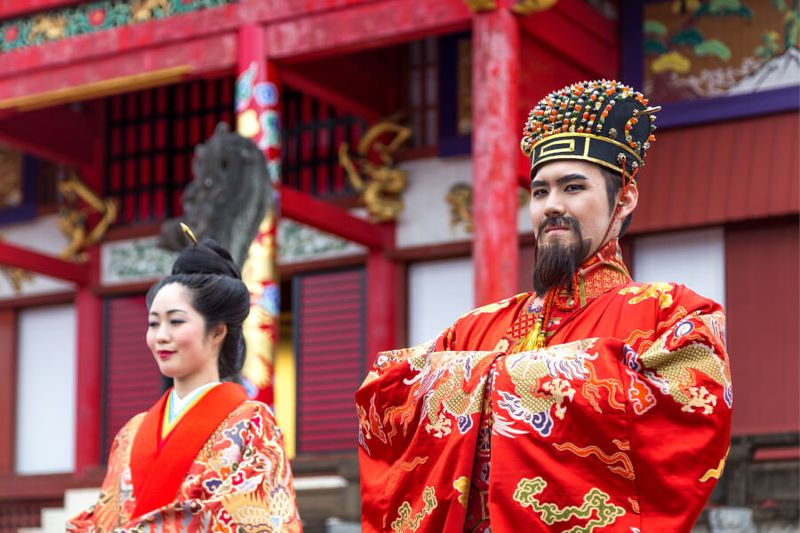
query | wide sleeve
[680, 406]
[256, 495]
[116, 488]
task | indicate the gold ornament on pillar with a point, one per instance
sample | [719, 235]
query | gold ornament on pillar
[79, 203]
[526, 7]
[481, 5]
[371, 170]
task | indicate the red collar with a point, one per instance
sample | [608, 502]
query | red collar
[158, 466]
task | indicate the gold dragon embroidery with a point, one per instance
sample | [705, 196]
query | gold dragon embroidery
[596, 507]
[715, 473]
[618, 462]
[399, 468]
[462, 487]
[659, 291]
[406, 522]
[678, 369]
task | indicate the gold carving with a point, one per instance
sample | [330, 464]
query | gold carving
[526, 7]
[10, 178]
[481, 5]
[381, 189]
[142, 10]
[73, 217]
[16, 277]
[48, 27]
[459, 199]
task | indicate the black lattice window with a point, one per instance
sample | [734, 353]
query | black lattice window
[312, 134]
[423, 91]
[151, 137]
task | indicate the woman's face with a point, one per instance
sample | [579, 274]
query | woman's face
[177, 336]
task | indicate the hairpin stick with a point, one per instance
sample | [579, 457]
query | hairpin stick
[189, 233]
[649, 110]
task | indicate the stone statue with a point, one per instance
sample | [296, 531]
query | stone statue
[228, 198]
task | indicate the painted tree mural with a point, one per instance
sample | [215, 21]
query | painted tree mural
[702, 48]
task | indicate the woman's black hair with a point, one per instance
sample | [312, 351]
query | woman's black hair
[219, 295]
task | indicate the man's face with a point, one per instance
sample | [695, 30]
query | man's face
[564, 193]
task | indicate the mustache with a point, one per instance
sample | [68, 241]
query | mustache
[555, 221]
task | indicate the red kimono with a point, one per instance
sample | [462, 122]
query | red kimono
[620, 423]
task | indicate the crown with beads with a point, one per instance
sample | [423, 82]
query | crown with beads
[603, 122]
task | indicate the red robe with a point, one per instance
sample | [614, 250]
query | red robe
[621, 423]
[222, 468]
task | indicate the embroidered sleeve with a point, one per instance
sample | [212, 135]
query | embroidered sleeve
[681, 399]
[115, 490]
[256, 495]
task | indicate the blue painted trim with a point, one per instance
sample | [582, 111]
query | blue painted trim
[27, 209]
[450, 142]
[701, 111]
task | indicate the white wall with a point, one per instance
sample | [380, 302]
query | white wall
[425, 219]
[694, 258]
[438, 293]
[45, 435]
[40, 235]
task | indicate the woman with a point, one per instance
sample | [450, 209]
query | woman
[204, 457]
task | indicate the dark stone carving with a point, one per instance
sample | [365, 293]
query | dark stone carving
[228, 198]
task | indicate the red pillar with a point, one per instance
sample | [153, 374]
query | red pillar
[381, 298]
[495, 143]
[89, 337]
[89, 361]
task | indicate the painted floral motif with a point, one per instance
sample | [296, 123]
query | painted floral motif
[91, 17]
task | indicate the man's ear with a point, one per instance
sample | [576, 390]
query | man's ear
[628, 200]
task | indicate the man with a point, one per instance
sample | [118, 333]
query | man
[592, 404]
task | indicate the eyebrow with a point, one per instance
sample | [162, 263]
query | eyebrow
[169, 311]
[560, 181]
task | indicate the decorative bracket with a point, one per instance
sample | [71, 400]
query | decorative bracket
[73, 217]
[381, 191]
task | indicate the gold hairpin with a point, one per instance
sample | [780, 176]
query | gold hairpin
[189, 233]
[649, 110]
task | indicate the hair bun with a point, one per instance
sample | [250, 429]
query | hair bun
[206, 257]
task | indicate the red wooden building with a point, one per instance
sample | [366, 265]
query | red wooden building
[121, 93]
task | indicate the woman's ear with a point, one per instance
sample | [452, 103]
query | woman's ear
[218, 333]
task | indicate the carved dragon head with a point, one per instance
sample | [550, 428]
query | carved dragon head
[229, 196]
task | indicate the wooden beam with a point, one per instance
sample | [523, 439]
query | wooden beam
[308, 210]
[184, 30]
[47, 265]
[57, 80]
[595, 52]
[57, 134]
[16, 8]
[342, 102]
[365, 26]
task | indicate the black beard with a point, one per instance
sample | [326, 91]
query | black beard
[557, 262]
